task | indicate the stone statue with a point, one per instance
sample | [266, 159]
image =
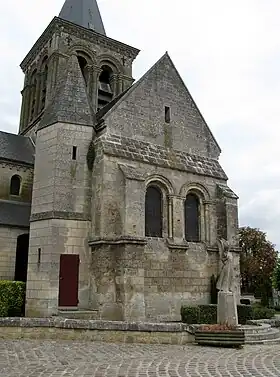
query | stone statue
[227, 308]
[226, 280]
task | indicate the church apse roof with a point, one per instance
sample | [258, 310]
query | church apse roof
[16, 148]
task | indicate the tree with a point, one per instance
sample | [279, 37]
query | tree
[276, 276]
[258, 260]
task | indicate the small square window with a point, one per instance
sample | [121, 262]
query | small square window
[74, 153]
[167, 114]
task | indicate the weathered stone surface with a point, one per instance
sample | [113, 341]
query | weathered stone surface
[91, 172]
[70, 104]
[227, 308]
[157, 155]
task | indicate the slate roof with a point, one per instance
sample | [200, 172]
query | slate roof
[83, 13]
[70, 103]
[16, 148]
[14, 213]
[137, 150]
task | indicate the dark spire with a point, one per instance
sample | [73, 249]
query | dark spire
[84, 13]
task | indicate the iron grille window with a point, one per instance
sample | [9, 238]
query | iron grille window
[153, 212]
[192, 218]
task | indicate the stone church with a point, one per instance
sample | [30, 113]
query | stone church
[112, 197]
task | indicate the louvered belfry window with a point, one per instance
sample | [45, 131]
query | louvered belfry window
[153, 212]
[192, 218]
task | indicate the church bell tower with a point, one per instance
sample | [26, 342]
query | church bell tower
[105, 63]
[71, 72]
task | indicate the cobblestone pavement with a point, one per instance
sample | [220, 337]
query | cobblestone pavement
[76, 359]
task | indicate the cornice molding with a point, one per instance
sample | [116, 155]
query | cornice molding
[58, 24]
[19, 165]
[121, 240]
[60, 215]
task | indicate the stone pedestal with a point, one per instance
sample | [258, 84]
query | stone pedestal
[227, 308]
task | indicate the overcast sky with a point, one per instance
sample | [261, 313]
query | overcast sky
[228, 53]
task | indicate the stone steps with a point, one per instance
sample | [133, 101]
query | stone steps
[78, 314]
[254, 330]
[264, 341]
[263, 333]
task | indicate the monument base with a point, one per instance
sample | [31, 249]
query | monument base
[227, 309]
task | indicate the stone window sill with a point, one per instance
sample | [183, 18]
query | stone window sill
[172, 245]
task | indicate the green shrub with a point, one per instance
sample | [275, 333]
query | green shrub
[12, 297]
[262, 312]
[207, 314]
[245, 313]
[190, 314]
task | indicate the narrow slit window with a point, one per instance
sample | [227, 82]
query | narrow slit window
[167, 114]
[74, 153]
[39, 256]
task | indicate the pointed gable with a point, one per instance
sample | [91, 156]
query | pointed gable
[70, 102]
[159, 109]
[83, 13]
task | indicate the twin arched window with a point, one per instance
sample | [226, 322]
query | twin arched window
[15, 185]
[154, 214]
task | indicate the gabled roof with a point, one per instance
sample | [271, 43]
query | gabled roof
[165, 59]
[14, 213]
[70, 103]
[16, 148]
[84, 13]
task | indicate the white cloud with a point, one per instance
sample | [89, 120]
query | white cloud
[228, 53]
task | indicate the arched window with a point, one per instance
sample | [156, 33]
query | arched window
[33, 95]
[44, 83]
[192, 218]
[15, 185]
[84, 68]
[105, 91]
[153, 212]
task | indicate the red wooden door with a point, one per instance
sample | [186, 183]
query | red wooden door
[68, 280]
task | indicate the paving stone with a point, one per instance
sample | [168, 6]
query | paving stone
[23, 358]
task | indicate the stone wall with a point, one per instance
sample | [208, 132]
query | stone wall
[98, 331]
[118, 280]
[176, 276]
[60, 217]
[167, 272]
[8, 169]
[60, 183]
[8, 246]
[55, 237]
[140, 114]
